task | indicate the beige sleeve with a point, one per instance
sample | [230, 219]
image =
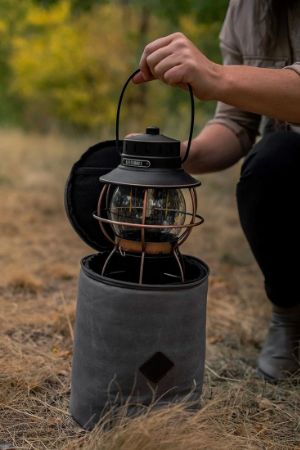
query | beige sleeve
[295, 67]
[245, 125]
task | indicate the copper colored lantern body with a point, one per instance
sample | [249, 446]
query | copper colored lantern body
[151, 169]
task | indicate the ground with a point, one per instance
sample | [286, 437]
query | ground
[39, 256]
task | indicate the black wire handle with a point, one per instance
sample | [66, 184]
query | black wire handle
[192, 116]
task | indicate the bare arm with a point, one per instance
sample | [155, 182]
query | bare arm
[175, 60]
[270, 92]
[215, 148]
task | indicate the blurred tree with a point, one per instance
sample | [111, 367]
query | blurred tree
[208, 11]
[77, 6]
[202, 11]
[12, 14]
[68, 69]
[64, 61]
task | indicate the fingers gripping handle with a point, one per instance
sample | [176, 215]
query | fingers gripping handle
[192, 115]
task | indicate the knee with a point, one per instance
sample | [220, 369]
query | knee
[275, 155]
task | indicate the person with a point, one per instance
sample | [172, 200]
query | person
[257, 89]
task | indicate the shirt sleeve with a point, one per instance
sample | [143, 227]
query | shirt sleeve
[295, 67]
[245, 125]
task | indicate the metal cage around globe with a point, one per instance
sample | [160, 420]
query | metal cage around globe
[164, 207]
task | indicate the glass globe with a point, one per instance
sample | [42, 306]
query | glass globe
[164, 207]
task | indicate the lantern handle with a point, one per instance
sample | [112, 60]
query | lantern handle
[191, 124]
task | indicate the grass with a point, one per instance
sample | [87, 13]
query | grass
[39, 255]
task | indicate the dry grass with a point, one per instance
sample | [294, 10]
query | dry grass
[39, 255]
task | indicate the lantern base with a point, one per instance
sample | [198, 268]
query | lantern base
[141, 251]
[150, 248]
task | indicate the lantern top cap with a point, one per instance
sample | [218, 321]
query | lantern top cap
[152, 130]
[150, 160]
[151, 135]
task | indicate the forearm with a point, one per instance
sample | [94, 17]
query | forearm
[215, 148]
[270, 92]
[175, 60]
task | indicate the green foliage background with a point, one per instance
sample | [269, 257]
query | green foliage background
[63, 62]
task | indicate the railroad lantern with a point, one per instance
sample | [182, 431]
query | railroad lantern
[144, 200]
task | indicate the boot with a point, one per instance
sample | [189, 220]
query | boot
[280, 354]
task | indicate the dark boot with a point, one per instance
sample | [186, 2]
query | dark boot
[280, 354]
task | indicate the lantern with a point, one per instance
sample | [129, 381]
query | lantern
[144, 203]
[143, 199]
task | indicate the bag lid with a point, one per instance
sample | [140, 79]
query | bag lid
[83, 188]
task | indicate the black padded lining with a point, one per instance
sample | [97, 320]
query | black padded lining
[83, 188]
[158, 270]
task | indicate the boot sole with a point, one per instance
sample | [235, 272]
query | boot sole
[266, 377]
[290, 378]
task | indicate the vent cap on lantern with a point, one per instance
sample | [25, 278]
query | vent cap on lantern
[152, 130]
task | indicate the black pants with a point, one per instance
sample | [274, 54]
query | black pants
[268, 196]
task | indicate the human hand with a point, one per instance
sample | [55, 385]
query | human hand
[175, 60]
